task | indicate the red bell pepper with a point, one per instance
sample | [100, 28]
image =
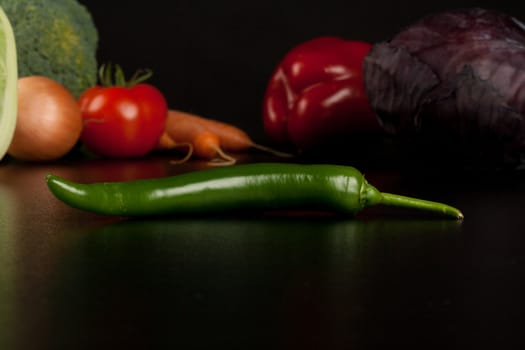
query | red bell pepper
[316, 93]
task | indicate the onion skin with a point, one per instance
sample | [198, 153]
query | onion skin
[455, 82]
[49, 120]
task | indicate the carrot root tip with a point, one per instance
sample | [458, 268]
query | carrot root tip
[187, 156]
[272, 151]
[225, 159]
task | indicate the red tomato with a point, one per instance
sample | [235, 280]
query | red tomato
[122, 122]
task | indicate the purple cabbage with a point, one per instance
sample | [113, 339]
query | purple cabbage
[454, 81]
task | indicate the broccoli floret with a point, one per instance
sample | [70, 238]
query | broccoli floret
[55, 38]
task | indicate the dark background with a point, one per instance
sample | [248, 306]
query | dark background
[214, 58]
[74, 280]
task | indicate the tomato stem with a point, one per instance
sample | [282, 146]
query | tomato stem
[113, 75]
[140, 76]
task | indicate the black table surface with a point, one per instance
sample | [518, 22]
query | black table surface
[75, 280]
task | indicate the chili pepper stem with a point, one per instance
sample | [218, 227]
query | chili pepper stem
[395, 200]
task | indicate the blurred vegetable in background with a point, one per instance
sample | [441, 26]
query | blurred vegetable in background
[207, 138]
[316, 94]
[8, 84]
[49, 122]
[454, 83]
[56, 39]
[122, 118]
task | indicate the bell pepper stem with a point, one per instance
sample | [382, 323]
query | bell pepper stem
[395, 200]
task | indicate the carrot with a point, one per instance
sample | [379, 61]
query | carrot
[166, 142]
[207, 145]
[184, 131]
[184, 127]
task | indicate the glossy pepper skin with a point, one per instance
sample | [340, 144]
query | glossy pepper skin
[257, 186]
[317, 93]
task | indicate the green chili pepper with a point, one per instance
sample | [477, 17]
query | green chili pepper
[334, 188]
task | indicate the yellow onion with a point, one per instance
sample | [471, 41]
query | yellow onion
[49, 120]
